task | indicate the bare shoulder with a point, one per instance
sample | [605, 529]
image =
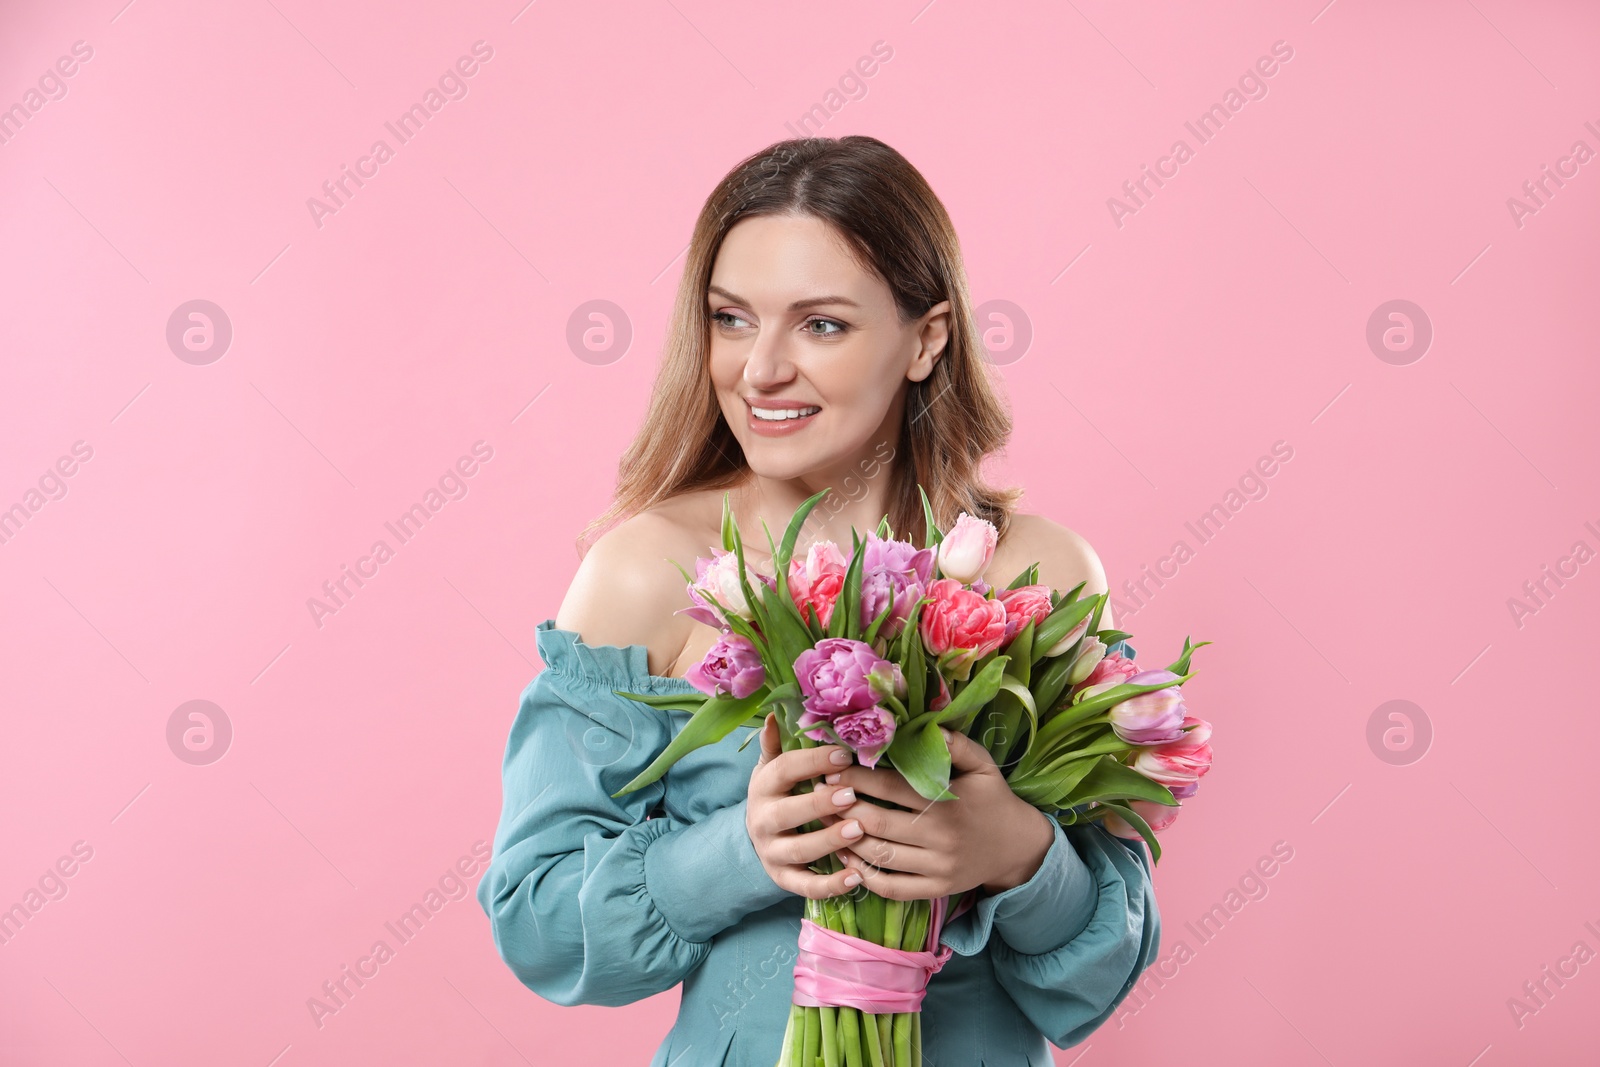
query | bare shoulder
[1064, 557]
[626, 590]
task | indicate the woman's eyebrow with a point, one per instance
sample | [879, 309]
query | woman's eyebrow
[798, 305]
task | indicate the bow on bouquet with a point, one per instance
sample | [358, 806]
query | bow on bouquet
[877, 652]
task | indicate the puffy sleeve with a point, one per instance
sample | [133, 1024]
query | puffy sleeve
[1068, 944]
[590, 899]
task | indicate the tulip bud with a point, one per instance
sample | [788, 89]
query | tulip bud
[966, 550]
[1094, 650]
[1157, 816]
[1062, 646]
[1153, 718]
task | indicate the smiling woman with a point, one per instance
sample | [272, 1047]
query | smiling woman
[822, 336]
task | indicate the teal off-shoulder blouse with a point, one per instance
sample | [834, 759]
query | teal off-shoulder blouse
[594, 900]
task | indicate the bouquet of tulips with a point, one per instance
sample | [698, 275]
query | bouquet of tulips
[876, 652]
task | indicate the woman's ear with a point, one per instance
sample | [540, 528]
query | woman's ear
[933, 335]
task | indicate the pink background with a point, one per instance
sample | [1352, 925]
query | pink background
[432, 311]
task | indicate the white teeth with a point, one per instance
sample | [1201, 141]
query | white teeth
[780, 414]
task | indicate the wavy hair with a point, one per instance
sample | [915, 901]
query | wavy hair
[895, 225]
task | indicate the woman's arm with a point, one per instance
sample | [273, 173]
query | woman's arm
[1069, 944]
[591, 902]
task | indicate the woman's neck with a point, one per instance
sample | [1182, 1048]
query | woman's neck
[852, 500]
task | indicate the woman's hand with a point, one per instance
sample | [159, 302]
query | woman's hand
[989, 837]
[772, 814]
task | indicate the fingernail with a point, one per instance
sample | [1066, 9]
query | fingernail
[841, 756]
[852, 879]
[843, 796]
[852, 830]
[833, 778]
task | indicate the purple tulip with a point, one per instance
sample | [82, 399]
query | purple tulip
[733, 668]
[1153, 718]
[840, 676]
[867, 733]
[893, 573]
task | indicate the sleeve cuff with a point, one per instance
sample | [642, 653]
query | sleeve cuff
[706, 876]
[1040, 915]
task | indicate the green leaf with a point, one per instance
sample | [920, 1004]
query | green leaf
[1049, 786]
[933, 534]
[715, 720]
[914, 664]
[1075, 714]
[1011, 690]
[1110, 780]
[920, 754]
[1029, 576]
[1061, 622]
[1181, 664]
[1050, 680]
[885, 531]
[689, 702]
[729, 531]
[972, 698]
[846, 620]
[792, 533]
[1135, 820]
[872, 631]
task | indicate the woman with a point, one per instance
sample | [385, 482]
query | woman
[822, 337]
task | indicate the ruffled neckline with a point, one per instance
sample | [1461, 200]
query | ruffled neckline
[614, 666]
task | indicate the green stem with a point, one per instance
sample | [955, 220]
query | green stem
[830, 1037]
[877, 1037]
[902, 1040]
[850, 1027]
[813, 1037]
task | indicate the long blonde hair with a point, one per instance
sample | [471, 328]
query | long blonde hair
[897, 228]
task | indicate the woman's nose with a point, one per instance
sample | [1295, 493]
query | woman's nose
[768, 364]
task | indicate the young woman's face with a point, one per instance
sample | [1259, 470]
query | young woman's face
[797, 325]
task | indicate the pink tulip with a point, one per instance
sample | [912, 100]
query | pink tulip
[1114, 667]
[893, 575]
[966, 550]
[817, 580]
[716, 593]
[867, 733]
[1023, 603]
[840, 676]
[1181, 764]
[1152, 718]
[732, 667]
[961, 621]
[1158, 816]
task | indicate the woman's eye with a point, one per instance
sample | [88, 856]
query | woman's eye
[727, 318]
[838, 327]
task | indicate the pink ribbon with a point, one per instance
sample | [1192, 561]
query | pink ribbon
[837, 970]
